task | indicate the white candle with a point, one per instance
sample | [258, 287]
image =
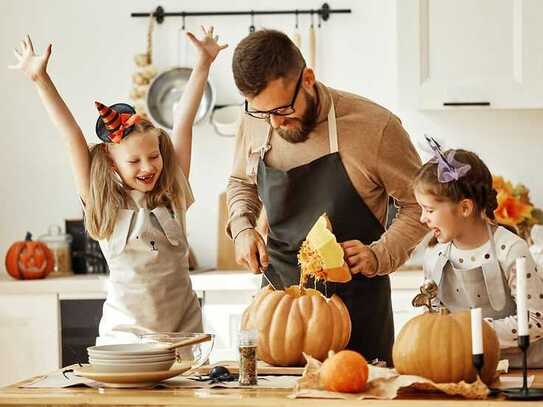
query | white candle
[476, 331]
[522, 306]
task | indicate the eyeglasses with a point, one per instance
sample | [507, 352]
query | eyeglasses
[278, 111]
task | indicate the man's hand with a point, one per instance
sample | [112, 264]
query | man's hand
[251, 250]
[360, 258]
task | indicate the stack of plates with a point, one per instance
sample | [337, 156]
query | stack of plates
[131, 358]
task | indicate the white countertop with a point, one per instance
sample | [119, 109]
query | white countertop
[94, 285]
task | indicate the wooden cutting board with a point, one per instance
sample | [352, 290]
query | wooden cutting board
[262, 368]
[226, 259]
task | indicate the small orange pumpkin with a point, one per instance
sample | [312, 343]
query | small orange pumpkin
[29, 260]
[345, 372]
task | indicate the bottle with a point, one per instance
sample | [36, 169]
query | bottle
[59, 244]
[247, 358]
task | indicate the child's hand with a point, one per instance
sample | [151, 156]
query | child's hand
[208, 48]
[34, 66]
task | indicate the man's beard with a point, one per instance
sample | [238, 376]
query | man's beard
[307, 123]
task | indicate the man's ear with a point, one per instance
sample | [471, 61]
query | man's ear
[308, 79]
[467, 207]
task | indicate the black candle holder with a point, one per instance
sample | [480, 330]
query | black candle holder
[524, 392]
[478, 363]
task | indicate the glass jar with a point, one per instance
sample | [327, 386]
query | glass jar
[59, 244]
[247, 358]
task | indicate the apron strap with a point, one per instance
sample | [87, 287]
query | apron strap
[118, 238]
[332, 129]
[493, 277]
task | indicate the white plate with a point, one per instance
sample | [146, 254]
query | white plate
[129, 349]
[127, 380]
[114, 367]
[131, 359]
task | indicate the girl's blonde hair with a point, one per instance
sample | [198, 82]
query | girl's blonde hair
[107, 194]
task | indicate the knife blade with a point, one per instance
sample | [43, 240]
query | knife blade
[271, 280]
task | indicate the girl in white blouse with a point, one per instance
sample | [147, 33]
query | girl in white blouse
[470, 257]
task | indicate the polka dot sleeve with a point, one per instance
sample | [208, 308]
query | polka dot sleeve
[506, 328]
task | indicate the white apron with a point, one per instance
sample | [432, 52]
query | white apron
[149, 288]
[482, 287]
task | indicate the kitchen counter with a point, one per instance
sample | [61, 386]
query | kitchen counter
[12, 395]
[86, 285]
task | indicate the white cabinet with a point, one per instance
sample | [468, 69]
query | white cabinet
[29, 336]
[222, 311]
[402, 309]
[466, 53]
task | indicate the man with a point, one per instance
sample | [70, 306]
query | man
[304, 149]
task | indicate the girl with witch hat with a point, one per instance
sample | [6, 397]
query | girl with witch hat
[135, 193]
[470, 257]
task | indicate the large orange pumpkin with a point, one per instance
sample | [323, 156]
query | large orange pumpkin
[345, 372]
[437, 345]
[29, 260]
[295, 320]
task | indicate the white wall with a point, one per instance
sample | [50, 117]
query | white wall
[93, 46]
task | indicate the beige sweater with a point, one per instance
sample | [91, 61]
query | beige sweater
[376, 152]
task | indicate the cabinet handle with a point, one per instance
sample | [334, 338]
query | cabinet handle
[466, 103]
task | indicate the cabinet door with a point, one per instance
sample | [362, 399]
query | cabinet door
[30, 336]
[222, 312]
[402, 309]
[465, 53]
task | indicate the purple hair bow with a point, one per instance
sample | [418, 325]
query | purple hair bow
[448, 169]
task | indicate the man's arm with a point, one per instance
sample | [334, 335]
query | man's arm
[397, 164]
[244, 205]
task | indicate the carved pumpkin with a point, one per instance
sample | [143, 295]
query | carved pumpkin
[29, 260]
[297, 320]
[345, 372]
[437, 345]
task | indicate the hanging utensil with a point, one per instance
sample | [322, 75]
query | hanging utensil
[167, 88]
[296, 37]
[252, 28]
[312, 44]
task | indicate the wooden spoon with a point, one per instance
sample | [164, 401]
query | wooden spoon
[188, 341]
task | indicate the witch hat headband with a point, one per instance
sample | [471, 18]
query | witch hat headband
[115, 122]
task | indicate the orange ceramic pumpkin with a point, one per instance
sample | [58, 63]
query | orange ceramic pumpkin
[345, 372]
[29, 260]
[294, 321]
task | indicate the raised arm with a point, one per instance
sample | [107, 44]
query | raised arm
[35, 68]
[186, 109]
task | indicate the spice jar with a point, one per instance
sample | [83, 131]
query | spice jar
[59, 244]
[247, 358]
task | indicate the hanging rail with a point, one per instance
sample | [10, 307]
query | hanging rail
[324, 12]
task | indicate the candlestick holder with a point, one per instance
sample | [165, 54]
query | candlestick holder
[524, 392]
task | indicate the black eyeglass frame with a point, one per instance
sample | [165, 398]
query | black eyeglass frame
[258, 114]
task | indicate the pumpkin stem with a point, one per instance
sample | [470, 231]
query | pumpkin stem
[28, 236]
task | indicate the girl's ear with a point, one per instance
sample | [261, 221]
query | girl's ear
[467, 207]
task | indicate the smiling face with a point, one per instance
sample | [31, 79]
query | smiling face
[443, 217]
[137, 160]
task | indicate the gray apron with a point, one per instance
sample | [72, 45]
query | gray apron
[149, 287]
[481, 287]
[293, 201]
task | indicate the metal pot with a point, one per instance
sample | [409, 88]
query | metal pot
[165, 92]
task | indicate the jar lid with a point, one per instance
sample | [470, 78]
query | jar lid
[54, 235]
[247, 337]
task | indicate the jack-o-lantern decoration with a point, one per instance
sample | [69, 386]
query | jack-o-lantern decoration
[29, 260]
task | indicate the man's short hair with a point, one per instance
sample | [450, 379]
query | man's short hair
[264, 56]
